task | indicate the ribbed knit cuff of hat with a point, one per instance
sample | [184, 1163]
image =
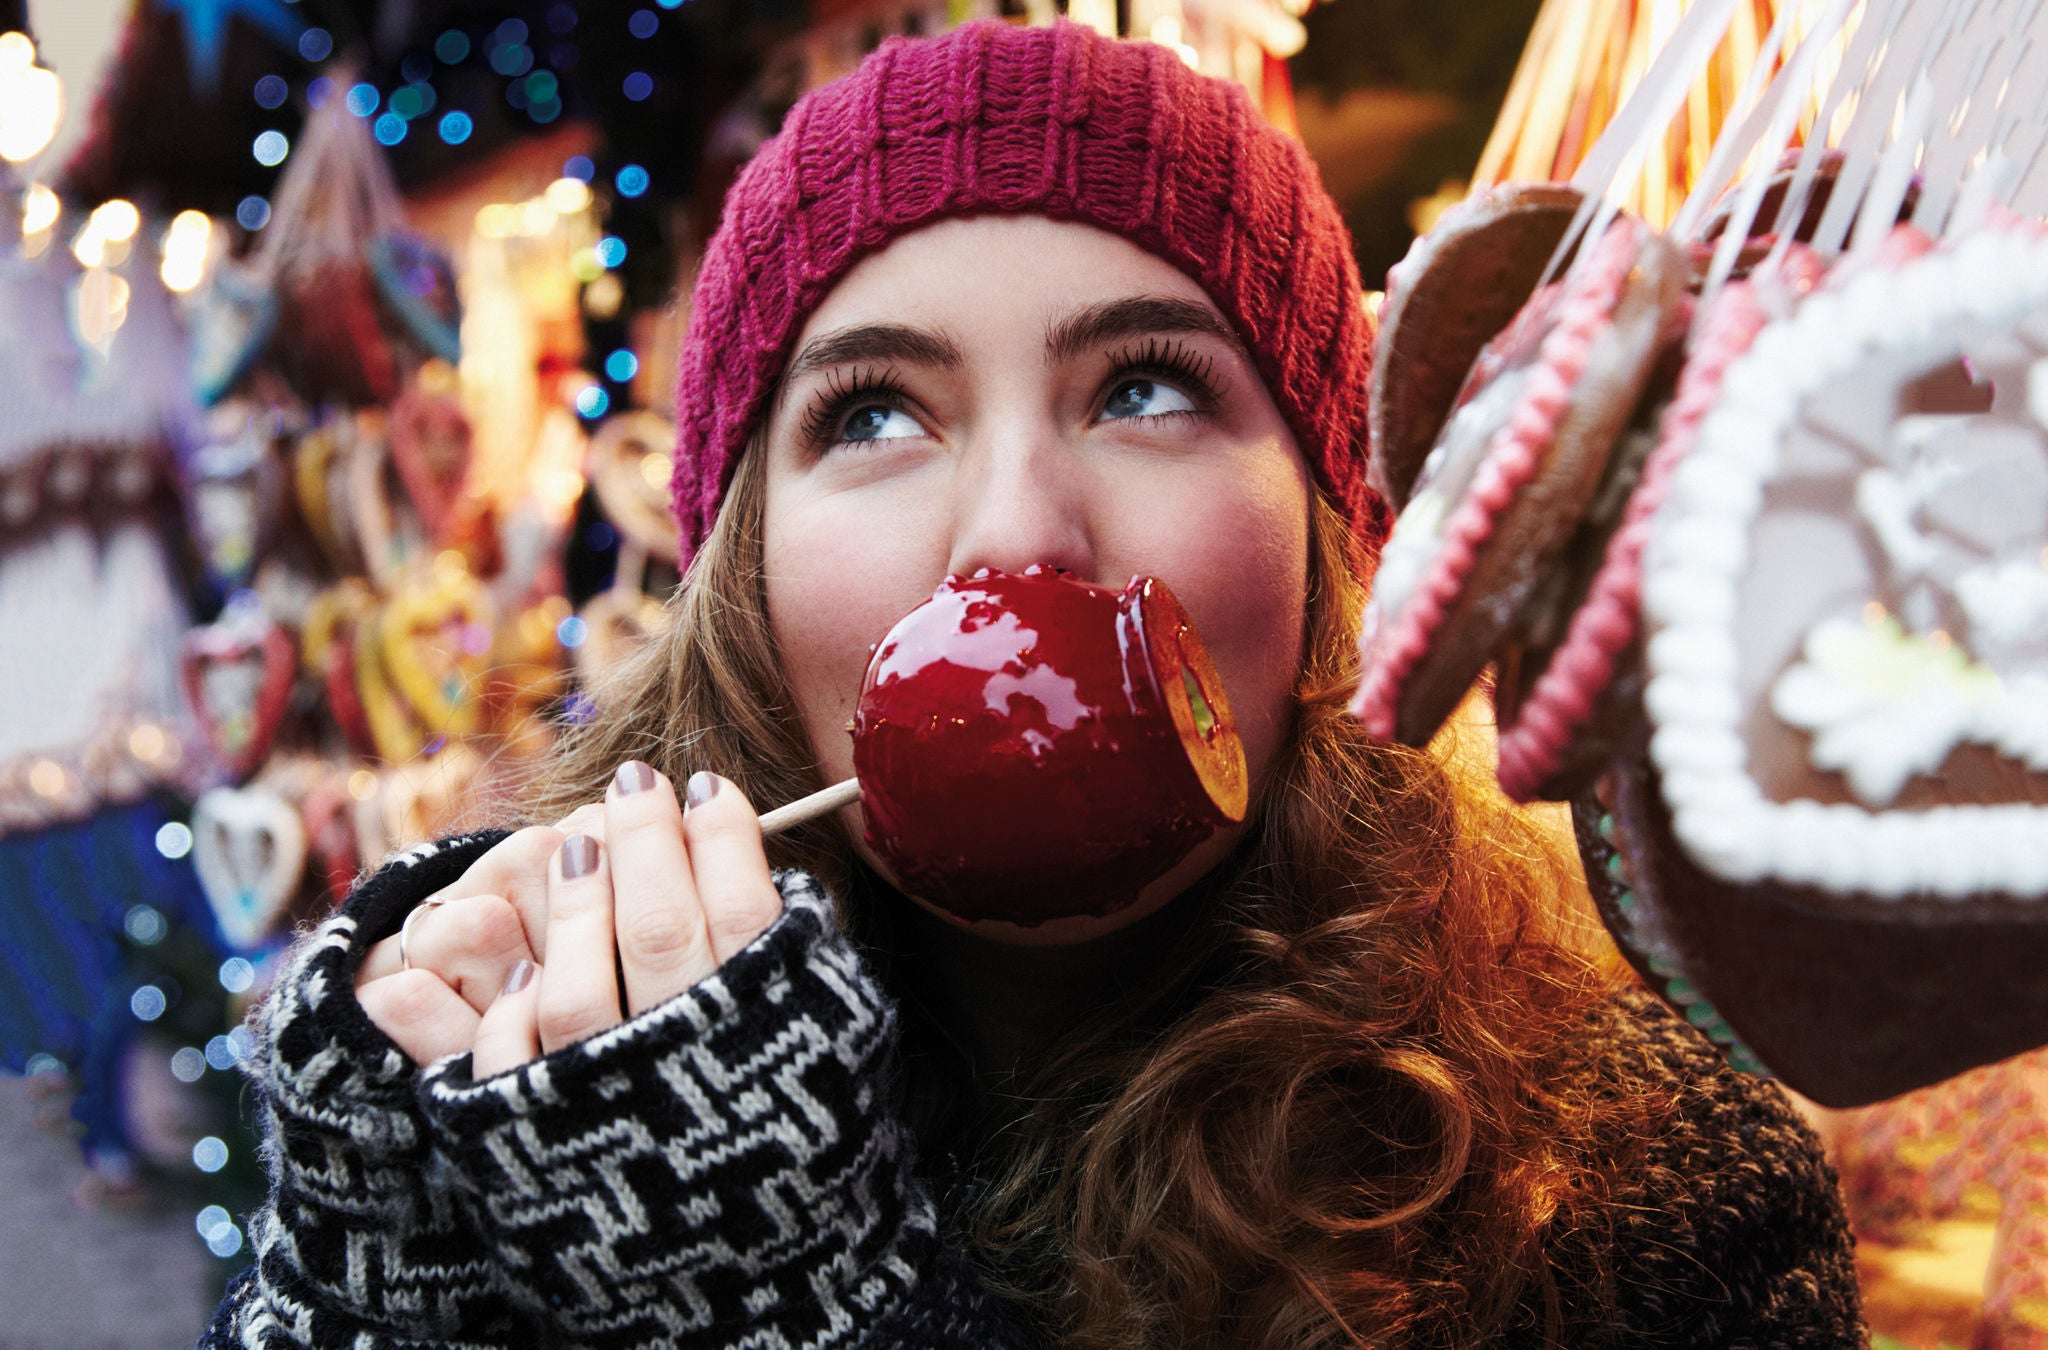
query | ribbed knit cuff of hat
[356, 1246]
[721, 1169]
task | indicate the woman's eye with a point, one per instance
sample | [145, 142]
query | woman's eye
[876, 422]
[1145, 398]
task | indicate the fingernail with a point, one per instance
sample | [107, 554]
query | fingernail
[633, 776]
[517, 978]
[703, 787]
[579, 856]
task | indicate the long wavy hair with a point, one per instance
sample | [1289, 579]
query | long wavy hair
[1335, 1120]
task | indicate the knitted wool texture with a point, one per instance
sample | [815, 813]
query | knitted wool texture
[1059, 122]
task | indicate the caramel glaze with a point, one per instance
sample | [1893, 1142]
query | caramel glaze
[1018, 757]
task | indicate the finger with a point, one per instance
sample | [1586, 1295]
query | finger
[516, 868]
[509, 1034]
[470, 943]
[729, 865]
[663, 945]
[585, 819]
[421, 1015]
[580, 997]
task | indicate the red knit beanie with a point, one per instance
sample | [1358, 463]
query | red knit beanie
[1061, 122]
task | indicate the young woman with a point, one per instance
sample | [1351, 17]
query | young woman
[1007, 297]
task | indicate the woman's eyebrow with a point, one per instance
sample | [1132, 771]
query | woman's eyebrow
[1133, 316]
[877, 342]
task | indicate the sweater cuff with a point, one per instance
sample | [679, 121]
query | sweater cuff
[724, 1160]
[358, 1244]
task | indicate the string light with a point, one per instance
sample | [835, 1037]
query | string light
[186, 246]
[41, 209]
[568, 195]
[270, 148]
[31, 100]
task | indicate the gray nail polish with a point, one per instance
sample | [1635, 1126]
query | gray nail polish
[579, 856]
[633, 776]
[517, 978]
[703, 787]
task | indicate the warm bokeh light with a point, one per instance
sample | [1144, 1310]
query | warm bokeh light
[117, 220]
[568, 195]
[31, 100]
[41, 210]
[187, 245]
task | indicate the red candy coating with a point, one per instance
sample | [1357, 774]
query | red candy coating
[1032, 747]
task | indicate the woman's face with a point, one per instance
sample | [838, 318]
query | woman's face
[1003, 391]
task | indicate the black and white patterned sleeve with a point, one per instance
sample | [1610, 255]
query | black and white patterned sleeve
[358, 1245]
[722, 1170]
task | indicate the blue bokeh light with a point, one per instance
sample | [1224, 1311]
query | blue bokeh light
[579, 167]
[644, 23]
[631, 181]
[571, 632]
[270, 149]
[272, 91]
[316, 44]
[456, 127]
[611, 251]
[363, 99]
[252, 213]
[621, 365]
[593, 402]
[639, 85]
[390, 129]
[452, 47]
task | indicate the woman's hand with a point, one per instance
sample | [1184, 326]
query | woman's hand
[633, 891]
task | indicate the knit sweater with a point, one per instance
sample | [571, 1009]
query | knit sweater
[726, 1170]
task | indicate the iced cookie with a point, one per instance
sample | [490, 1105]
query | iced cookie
[1843, 811]
[1458, 287]
[1510, 479]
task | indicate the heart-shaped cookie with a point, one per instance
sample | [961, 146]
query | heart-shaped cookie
[616, 623]
[630, 460]
[237, 676]
[430, 445]
[327, 650]
[1841, 818]
[249, 849]
[422, 798]
[434, 639]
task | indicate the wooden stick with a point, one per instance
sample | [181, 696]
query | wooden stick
[805, 809]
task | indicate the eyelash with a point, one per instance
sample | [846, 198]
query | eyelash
[844, 393]
[1170, 361]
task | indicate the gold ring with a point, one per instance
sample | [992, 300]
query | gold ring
[405, 929]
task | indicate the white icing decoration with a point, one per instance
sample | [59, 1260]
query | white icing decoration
[2007, 603]
[1694, 563]
[1882, 704]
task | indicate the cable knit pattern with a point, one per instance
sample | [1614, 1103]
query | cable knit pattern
[725, 1171]
[1059, 122]
[352, 1249]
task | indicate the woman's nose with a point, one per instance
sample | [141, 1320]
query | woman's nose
[1020, 501]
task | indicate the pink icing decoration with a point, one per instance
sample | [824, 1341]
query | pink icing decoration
[1606, 622]
[1512, 457]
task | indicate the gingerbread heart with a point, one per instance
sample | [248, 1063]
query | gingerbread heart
[430, 445]
[434, 640]
[629, 465]
[237, 676]
[420, 799]
[249, 849]
[328, 652]
[616, 623]
[1840, 822]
